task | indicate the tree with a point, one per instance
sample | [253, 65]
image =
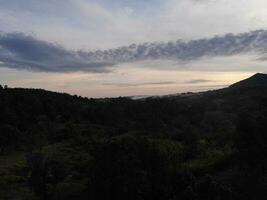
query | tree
[129, 167]
[44, 171]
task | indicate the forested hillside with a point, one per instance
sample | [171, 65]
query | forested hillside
[199, 146]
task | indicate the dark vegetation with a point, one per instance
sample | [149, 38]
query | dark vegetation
[203, 146]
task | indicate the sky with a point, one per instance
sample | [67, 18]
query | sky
[109, 48]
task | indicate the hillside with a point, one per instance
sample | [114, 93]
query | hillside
[258, 79]
[209, 145]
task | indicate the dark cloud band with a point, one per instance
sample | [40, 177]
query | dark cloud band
[21, 51]
[25, 52]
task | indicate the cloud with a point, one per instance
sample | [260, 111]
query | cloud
[21, 51]
[227, 45]
[108, 24]
[195, 81]
[140, 84]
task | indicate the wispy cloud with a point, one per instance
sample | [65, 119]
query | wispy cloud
[108, 24]
[195, 81]
[163, 83]
[140, 84]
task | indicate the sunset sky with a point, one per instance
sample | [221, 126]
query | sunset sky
[108, 48]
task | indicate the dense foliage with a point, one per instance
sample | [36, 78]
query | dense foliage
[210, 145]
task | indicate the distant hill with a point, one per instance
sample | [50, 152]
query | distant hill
[258, 79]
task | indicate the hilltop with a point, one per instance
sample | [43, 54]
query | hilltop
[258, 79]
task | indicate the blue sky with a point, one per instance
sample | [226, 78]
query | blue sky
[79, 40]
